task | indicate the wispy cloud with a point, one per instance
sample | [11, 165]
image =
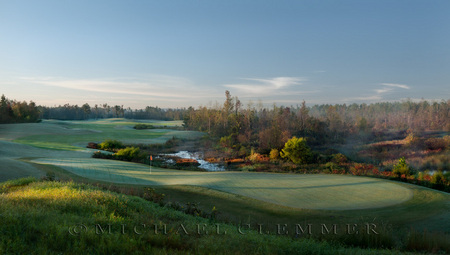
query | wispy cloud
[403, 86]
[380, 93]
[157, 86]
[390, 87]
[383, 90]
[364, 98]
[262, 87]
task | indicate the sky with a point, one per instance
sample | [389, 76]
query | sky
[175, 54]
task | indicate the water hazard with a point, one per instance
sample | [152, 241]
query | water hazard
[211, 167]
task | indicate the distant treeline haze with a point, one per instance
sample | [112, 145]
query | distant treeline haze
[263, 128]
[75, 112]
[257, 126]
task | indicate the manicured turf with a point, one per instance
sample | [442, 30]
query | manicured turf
[240, 197]
[332, 192]
[294, 191]
[68, 139]
[75, 135]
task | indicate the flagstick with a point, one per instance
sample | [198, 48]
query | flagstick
[150, 163]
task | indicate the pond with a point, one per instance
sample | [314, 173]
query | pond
[211, 167]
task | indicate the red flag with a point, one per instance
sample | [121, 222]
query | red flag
[151, 158]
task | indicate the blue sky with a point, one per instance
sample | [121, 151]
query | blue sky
[187, 53]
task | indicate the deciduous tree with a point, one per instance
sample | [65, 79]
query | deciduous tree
[297, 151]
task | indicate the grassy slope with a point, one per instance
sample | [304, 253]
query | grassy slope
[38, 217]
[64, 139]
[333, 192]
[17, 169]
[74, 135]
[428, 209]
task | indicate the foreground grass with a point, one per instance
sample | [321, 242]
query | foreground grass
[420, 224]
[65, 217]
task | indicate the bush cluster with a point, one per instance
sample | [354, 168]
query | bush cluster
[128, 154]
[143, 126]
[111, 145]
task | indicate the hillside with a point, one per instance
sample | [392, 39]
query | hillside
[43, 217]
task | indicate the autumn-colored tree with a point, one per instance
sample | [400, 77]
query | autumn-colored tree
[12, 111]
[297, 151]
[274, 154]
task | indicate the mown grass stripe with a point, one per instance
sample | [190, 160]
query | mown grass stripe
[332, 192]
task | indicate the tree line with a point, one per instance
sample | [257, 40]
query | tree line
[253, 126]
[241, 128]
[12, 111]
[75, 112]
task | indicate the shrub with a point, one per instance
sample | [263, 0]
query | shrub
[297, 151]
[274, 155]
[99, 154]
[410, 137]
[330, 167]
[447, 176]
[436, 144]
[401, 168]
[438, 178]
[143, 126]
[129, 154]
[447, 140]
[365, 169]
[256, 157]
[111, 145]
[92, 146]
[339, 158]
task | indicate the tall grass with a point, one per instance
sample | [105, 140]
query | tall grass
[45, 217]
[426, 241]
[11, 184]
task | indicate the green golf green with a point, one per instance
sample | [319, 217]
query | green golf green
[329, 192]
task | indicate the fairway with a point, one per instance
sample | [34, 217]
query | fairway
[62, 143]
[75, 135]
[68, 139]
[329, 192]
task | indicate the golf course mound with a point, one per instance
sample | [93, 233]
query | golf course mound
[308, 191]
